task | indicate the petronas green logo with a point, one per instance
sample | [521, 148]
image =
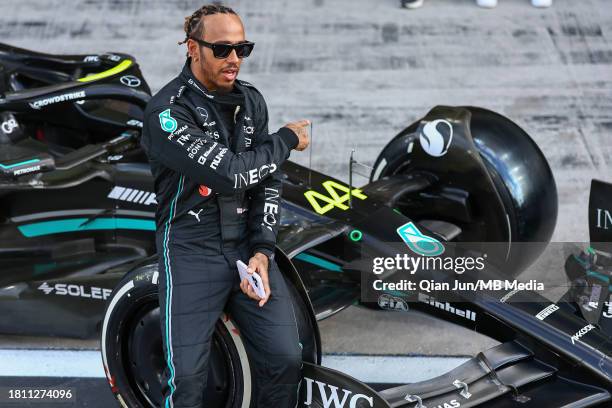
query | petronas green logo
[167, 122]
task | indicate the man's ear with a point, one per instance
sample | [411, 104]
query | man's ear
[193, 50]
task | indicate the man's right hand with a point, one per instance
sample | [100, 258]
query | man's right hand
[300, 128]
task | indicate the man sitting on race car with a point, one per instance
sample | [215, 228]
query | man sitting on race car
[218, 184]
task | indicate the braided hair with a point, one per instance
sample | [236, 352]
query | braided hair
[194, 25]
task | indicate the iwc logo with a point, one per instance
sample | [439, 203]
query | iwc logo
[436, 137]
[167, 122]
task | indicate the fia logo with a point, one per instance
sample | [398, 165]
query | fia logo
[388, 302]
[332, 398]
[436, 137]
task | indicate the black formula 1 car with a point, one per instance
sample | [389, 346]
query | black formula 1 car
[77, 249]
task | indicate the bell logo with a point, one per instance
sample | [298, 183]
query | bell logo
[436, 137]
[331, 398]
[604, 219]
[204, 190]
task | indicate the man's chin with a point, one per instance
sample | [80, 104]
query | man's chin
[225, 86]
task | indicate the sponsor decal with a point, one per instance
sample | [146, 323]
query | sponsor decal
[547, 312]
[180, 91]
[388, 302]
[203, 113]
[334, 200]
[219, 156]
[132, 195]
[113, 57]
[209, 124]
[91, 58]
[334, 397]
[65, 289]
[418, 242]
[271, 202]
[253, 176]
[179, 130]
[115, 157]
[431, 301]
[192, 82]
[247, 141]
[581, 333]
[249, 130]
[195, 214]
[195, 147]
[9, 125]
[204, 156]
[134, 122]
[204, 190]
[607, 311]
[214, 135]
[436, 137]
[449, 404]
[56, 99]
[593, 301]
[240, 210]
[604, 219]
[130, 80]
[26, 170]
[167, 122]
[508, 295]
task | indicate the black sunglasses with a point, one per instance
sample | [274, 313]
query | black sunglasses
[220, 50]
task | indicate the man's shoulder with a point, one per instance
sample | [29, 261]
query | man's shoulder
[170, 94]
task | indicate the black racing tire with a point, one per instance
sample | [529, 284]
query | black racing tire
[131, 346]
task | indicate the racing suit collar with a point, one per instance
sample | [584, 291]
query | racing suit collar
[235, 97]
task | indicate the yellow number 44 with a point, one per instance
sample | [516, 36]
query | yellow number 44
[333, 199]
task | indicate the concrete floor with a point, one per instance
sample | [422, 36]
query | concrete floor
[363, 70]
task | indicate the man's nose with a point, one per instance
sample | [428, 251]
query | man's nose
[233, 57]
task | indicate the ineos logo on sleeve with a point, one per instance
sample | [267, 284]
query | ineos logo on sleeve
[436, 137]
[130, 80]
[9, 125]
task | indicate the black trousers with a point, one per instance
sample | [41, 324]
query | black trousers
[194, 289]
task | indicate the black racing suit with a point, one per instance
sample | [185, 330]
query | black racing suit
[219, 201]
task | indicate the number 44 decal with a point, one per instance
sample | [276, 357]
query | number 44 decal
[333, 199]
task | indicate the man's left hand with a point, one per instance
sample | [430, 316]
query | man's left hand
[258, 263]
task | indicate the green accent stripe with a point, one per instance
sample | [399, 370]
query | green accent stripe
[19, 164]
[318, 261]
[122, 66]
[38, 229]
[166, 254]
